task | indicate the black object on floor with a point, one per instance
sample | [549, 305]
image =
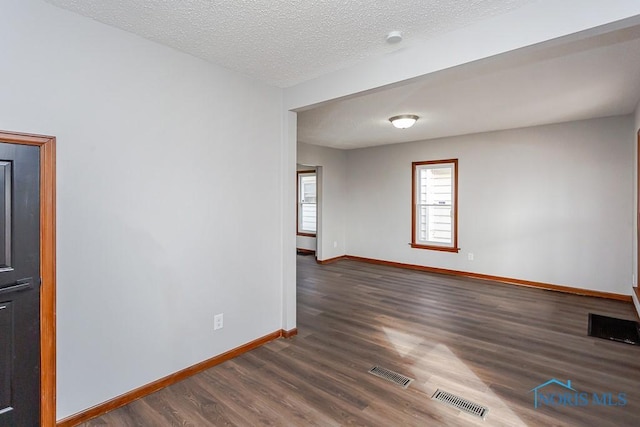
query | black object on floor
[610, 328]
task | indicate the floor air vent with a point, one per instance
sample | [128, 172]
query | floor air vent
[388, 375]
[462, 404]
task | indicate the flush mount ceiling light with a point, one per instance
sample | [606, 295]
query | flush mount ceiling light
[403, 121]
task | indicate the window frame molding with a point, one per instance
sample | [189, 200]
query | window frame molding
[454, 246]
[298, 173]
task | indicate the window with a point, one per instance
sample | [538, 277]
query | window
[307, 203]
[435, 205]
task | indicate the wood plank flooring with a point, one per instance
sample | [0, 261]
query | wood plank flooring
[490, 343]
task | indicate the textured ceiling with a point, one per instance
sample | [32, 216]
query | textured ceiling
[284, 42]
[577, 80]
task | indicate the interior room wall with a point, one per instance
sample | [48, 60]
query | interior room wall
[154, 219]
[551, 204]
[307, 243]
[333, 198]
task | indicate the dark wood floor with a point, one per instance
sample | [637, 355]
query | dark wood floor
[490, 343]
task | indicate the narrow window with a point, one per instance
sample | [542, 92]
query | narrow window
[434, 208]
[307, 203]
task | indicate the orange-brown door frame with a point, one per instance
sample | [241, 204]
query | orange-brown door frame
[47, 146]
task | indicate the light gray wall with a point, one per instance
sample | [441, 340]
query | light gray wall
[551, 204]
[153, 225]
[332, 194]
[306, 242]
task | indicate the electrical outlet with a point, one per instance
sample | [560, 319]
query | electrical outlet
[335, 244]
[218, 321]
[470, 256]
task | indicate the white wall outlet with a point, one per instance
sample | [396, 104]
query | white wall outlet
[218, 321]
[470, 256]
[335, 244]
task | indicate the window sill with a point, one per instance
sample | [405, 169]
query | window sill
[306, 234]
[435, 248]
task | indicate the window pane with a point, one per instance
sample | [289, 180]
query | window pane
[434, 224]
[308, 217]
[436, 186]
[307, 189]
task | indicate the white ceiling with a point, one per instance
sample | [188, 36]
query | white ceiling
[577, 80]
[284, 42]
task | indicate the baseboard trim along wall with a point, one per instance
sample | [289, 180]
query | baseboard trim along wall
[330, 260]
[518, 282]
[635, 294]
[305, 251]
[290, 333]
[154, 386]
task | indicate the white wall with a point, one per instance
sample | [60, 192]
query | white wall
[552, 204]
[306, 242]
[333, 197]
[152, 196]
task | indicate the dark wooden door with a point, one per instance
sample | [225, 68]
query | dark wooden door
[19, 285]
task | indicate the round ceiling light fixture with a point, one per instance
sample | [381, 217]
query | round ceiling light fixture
[394, 37]
[404, 121]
